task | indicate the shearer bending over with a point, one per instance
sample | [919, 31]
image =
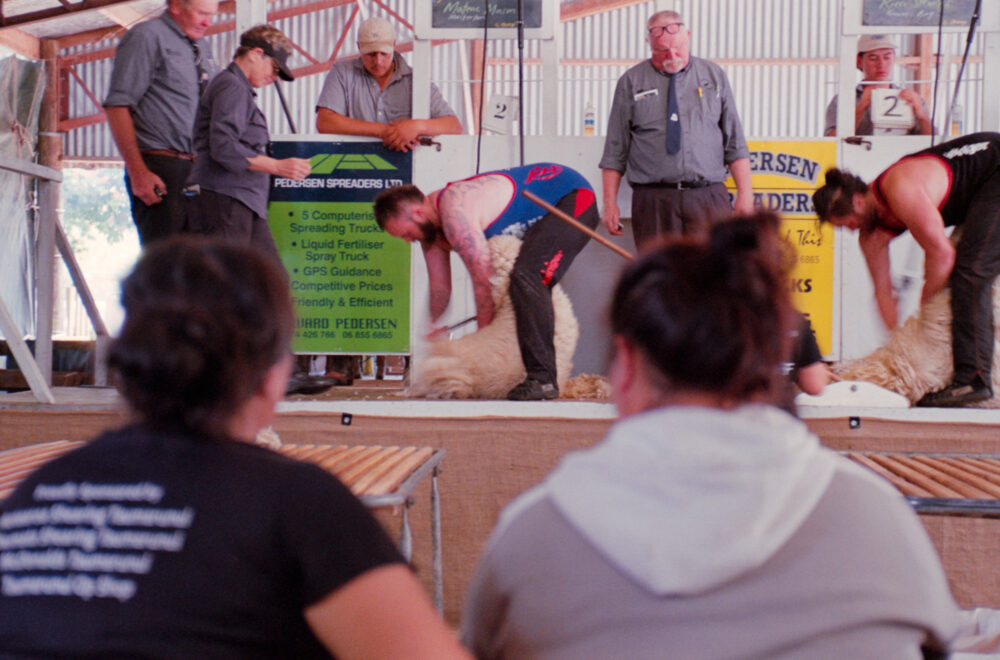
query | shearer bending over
[953, 183]
[463, 215]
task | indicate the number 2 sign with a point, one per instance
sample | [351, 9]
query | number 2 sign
[888, 110]
[500, 113]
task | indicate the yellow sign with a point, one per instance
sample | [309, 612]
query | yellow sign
[785, 175]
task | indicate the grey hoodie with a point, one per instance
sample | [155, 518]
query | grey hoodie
[703, 533]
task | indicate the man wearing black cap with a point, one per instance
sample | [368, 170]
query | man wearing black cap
[230, 180]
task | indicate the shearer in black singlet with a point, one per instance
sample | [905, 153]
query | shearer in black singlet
[954, 183]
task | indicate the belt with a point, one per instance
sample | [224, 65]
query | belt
[169, 153]
[676, 185]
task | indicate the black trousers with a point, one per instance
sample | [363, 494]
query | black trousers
[660, 210]
[214, 214]
[547, 251]
[977, 264]
[168, 217]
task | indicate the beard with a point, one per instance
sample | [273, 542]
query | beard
[669, 65]
[429, 231]
[870, 219]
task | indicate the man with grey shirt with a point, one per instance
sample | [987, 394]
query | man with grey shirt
[233, 171]
[373, 95]
[876, 58]
[161, 67]
[674, 126]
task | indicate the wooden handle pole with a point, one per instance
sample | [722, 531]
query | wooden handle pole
[579, 225]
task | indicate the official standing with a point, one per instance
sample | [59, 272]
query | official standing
[674, 127]
[230, 180]
[232, 171]
[161, 67]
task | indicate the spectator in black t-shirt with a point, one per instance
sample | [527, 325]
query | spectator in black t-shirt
[176, 536]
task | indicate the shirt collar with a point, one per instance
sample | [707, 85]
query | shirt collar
[172, 24]
[242, 77]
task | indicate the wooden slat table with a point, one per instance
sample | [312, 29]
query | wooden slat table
[945, 484]
[379, 476]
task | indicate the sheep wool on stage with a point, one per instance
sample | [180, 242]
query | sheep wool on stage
[917, 358]
[487, 363]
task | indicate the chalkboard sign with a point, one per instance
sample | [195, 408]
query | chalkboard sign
[473, 13]
[917, 12]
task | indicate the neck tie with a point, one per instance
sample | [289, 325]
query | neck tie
[199, 66]
[673, 119]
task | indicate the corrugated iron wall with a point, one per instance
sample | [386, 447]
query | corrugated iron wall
[780, 56]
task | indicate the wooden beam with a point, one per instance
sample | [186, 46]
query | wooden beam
[49, 152]
[911, 60]
[67, 125]
[570, 11]
[21, 42]
[925, 63]
[343, 35]
[90, 36]
[477, 54]
[124, 15]
[79, 80]
[28, 168]
[56, 12]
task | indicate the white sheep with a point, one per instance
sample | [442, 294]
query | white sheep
[917, 358]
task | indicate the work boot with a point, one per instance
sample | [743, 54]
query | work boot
[957, 394]
[533, 390]
[302, 383]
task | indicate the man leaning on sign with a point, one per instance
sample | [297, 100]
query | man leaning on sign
[373, 95]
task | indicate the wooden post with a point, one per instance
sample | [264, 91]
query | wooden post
[49, 154]
[476, 72]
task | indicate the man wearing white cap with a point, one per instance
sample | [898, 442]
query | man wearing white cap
[876, 57]
[373, 95]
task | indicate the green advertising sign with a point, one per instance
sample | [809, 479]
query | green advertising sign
[350, 280]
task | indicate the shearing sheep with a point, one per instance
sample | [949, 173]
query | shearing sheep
[917, 358]
[487, 363]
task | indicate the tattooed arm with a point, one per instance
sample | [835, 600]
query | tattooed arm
[461, 226]
[438, 277]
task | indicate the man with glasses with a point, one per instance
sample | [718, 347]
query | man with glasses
[674, 127]
[161, 67]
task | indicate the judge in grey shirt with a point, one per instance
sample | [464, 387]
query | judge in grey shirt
[674, 126]
[232, 170]
[160, 68]
[373, 95]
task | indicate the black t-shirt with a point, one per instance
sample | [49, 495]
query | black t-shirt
[146, 544]
[972, 161]
[805, 351]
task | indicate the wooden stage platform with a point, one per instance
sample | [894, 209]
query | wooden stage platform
[497, 449]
